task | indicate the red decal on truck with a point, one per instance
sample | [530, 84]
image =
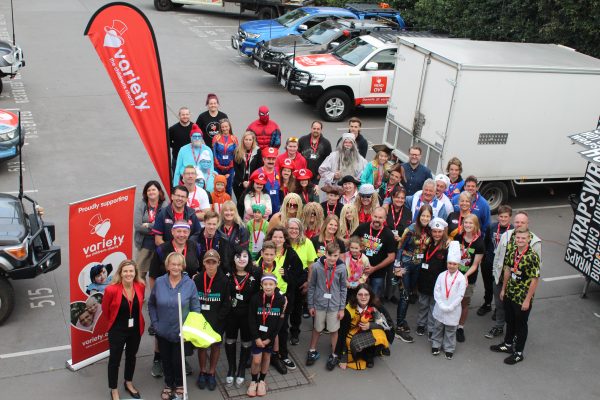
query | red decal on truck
[371, 101]
[378, 84]
[314, 60]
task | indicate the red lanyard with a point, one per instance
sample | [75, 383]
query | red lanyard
[316, 145]
[329, 212]
[394, 220]
[240, 286]
[255, 196]
[130, 302]
[518, 258]
[429, 255]
[329, 282]
[452, 284]
[256, 233]
[371, 234]
[208, 247]
[184, 252]
[191, 199]
[268, 271]
[460, 221]
[151, 212]
[305, 196]
[497, 238]
[207, 288]
[196, 159]
[265, 312]
[466, 251]
[248, 156]
[228, 231]
[362, 216]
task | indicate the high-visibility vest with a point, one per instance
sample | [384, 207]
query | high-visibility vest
[198, 331]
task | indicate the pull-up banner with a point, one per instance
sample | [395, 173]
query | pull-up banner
[125, 43]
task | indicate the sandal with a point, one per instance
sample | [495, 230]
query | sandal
[166, 393]
[179, 392]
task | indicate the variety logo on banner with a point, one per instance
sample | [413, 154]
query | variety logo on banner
[125, 42]
[100, 237]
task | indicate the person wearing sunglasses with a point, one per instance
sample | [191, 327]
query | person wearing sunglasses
[290, 208]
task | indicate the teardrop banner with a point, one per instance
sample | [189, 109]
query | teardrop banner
[126, 45]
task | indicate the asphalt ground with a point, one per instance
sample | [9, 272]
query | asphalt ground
[81, 143]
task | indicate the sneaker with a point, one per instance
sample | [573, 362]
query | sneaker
[405, 326]
[460, 335]
[261, 389]
[278, 364]
[494, 315]
[311, 357]
[514, 358]
[288, 363]
[188, 368]
[502, 348]
[229, 381]
[449, 355]
[251, 392]
[211, 382]
[201, 381]
[332, 362]
[157, 370]
[386, 352]
[435, 351]
[494, 332]
[420, 330]
[403, 335]
[239, 381]
[484, 309]
[294, 340]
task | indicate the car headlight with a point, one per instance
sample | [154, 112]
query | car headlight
[317, 77]
[17, 252]
[252, 35]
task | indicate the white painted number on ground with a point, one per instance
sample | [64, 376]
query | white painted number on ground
[40, 298]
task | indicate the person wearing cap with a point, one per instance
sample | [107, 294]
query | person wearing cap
[448, 293]
[208, 121]
[415, 173]
[315, 148]
[332, 206]
[434, 263]
[354, 125]
[212, 286]
[344, 161]
[255, 194]
[394, 181]
[349, 186]
[479, 205]
[453, 170]
[287, 182]
[441, 185]
[164, 316]
[366, 202]
[224, 145]
[219, 196]
[266, 317]
[427, 196]
[179, 134]
[291, 207]
[291, 152]
[190, 154]
[246, 160]
[304, 187]
[266, 130]
[377, 171]
[178, 210]
[206, 173]
[198, 199]
[257, 230]
[271, 175]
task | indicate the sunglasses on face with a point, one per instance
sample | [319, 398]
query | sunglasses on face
[292, 205]
[365, 196]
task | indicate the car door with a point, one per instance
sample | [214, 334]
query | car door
[376, 86]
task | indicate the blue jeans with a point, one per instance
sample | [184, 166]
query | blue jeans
[409, 277]
[377, 285]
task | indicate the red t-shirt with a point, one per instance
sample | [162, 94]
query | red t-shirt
[299, 161]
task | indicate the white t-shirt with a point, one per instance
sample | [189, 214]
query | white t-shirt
[198, 199]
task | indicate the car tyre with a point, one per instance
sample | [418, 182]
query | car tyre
[496, 193]
[334, 105]
[7, 299]
[164, 5]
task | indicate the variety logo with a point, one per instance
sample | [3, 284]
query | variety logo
[113, 37]
[378, 84]
[99, 226]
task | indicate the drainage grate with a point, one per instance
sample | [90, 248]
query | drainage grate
[275, 381]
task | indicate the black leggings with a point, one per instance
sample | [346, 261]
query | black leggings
[117, 340]
[487, 275]
[238, 322]
[516, 324]
[170, 355]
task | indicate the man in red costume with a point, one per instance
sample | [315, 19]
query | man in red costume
[266, 130]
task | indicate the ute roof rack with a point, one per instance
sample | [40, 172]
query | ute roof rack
[390, 37]
[366, 7]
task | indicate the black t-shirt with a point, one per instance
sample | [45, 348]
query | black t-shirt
[404, 221]
[468, 251]
[433, 264]
[179, 136]
[377, 245]
[336, 209]
[209, 125]
[320, 246]
[314, 159]
[192, 256]
[215, 301]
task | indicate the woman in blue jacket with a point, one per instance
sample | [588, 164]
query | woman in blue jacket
[164, 317]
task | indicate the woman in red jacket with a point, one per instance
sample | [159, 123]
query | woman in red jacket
[122, 307]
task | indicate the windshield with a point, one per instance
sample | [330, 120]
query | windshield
[322, 33]
[292, 17]
[354, 51]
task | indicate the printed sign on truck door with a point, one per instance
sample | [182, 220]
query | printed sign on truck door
[378, 84]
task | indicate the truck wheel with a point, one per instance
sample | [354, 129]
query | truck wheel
[267, 13]
[496, 193]
[7, 299]
[334, 105]
[164, 5]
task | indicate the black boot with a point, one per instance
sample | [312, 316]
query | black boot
[230, 352]
[241, 372]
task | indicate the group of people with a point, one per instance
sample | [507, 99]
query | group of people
[256, 240]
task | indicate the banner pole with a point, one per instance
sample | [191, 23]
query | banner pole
[185, 392]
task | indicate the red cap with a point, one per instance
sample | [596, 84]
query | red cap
[303, 174]
[259, 177]
[288, 163]
[270, 152]
[195, 129]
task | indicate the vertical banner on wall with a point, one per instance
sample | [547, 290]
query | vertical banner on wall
[125, 43]
[100, 237]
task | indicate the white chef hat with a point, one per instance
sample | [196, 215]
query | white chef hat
[438, 223]
[454, 252]
[443, 178]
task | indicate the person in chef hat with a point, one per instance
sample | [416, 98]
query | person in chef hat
[449, 290]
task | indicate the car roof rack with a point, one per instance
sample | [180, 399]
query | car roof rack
[390, 37]
[366, 7]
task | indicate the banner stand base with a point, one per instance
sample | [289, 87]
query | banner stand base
[74, 367]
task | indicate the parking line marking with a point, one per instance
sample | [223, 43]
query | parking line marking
[24, 191]
[37, 351]
[561, 278]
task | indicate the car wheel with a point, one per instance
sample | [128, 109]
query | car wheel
[496, 193]
[7, 299]
[164, 5]
[334, 105]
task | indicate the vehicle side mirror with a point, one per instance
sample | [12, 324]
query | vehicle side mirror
[302, 28]
[371, 66]
[333, 45]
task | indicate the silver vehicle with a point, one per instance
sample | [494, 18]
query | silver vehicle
[11, 60]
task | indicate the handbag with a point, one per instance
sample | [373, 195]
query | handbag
[361, 341]
[198, 331]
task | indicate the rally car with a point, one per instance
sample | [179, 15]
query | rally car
[319, 39]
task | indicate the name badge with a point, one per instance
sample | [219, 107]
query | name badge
[419, 256]
[130, 323]
[425, 266]
[313, 156]
[205, 307]
[263, 328]
[514, 276]
[327, 295]
[239, 296]
[395, 232]
[225, 156]
[256, 248]
[273, 192]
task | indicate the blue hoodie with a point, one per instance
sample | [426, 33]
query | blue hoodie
[479, 207]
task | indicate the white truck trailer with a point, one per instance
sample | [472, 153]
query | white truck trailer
[504, 109]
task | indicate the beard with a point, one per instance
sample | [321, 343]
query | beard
[347, 161]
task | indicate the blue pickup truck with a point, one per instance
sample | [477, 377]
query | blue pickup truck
[299, 20]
